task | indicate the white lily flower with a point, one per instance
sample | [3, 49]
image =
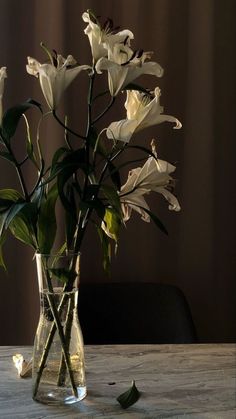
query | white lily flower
[100, 37]
[124, 66]
[143, 110]
[3, 75]
[54, 79]
[154, 176]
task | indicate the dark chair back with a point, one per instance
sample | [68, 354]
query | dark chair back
[128, 313]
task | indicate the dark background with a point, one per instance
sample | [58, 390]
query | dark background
[194, 41]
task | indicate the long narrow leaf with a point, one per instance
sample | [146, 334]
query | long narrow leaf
[12, 117]
[70, 217]
[47, 224]
[106, 249]
[113, 198]
[155, 219]
[22, 230]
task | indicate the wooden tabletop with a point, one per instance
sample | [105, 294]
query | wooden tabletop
[175, 381]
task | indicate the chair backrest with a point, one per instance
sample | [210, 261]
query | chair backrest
[126, 313]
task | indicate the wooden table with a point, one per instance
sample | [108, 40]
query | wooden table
[176, 381]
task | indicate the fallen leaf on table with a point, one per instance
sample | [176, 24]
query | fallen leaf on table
[130, 396]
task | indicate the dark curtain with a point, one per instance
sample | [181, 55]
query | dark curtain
[194, 40]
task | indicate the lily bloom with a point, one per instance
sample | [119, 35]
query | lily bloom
[143, 110]
[3, 75]
[154, 176]
[124, 66]
[101, 36]
[55, 78]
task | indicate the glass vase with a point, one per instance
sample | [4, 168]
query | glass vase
[58, 358]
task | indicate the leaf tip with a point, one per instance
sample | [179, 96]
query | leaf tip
[129, 397]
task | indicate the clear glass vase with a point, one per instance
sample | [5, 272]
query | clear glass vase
[58, 357]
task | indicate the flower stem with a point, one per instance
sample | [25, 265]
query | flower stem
[68, 325]
[66, 127]
[64, 344]
[19, 173]
[55, 326]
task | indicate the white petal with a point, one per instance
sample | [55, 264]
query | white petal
[116, 74]
[168, 118]
[121, 130]
[133, 104]
[33, 66]
[134, 202]
[131, 181]
[173, 201]
[72, 73]
[85, 17]
[47, 78]
[150, 67]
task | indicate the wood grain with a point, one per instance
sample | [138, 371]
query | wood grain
[176, 381]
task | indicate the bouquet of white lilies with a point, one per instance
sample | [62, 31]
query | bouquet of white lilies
[83, 175]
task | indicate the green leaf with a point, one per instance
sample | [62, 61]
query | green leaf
[23, 226]
[113, 198]
[13, 211]
[47, 224]
[115, 175]
[130, 396]
[70, 216]
[38, 192]
[12, 117]
[22, 230]
[8, 199]
[3, 217]
[106, 250]
[95, 143]
[155, 219]
[10, 194]
[29, 145]
[66, 169]
[7, 156]
[63, 274]
[62, 180]
[77, 159]
[112, 223]
[70, 164]
[58, 154]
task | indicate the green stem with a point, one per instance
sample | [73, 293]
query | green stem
[63, 342]
[87, 144]
[110, 160]
[51, 300]
[68, 323]
[44, 358]
[66, 127]
[19, 172]
[55, 326]
[67, 288]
